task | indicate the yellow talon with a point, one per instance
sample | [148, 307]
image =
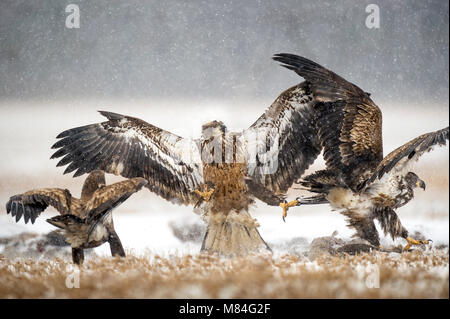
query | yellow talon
[205, 194]
[286, 206]
[412, 241]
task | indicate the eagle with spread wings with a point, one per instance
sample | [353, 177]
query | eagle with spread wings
[359, 182]
[86, 221]
[220, 174]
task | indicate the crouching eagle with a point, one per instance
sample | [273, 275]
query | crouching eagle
[358, 181]
[220, 173]
[87, 221]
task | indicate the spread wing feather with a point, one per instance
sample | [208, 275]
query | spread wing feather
[283, 142]
[107, 198]
[131, 148]
[349, 123]
[32, 203]
[398, 159]
[263, 193]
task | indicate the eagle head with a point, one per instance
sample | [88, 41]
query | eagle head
[213, 128]
[414, 181]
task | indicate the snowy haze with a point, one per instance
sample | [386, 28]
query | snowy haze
[175, 49]
[28, 130]
[179, 65]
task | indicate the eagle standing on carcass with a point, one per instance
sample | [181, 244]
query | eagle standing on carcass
[358, 181]
[220, 173]
[87, 222]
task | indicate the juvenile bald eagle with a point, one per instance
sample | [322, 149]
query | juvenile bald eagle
[86, 222]
[212, 173]
[358, 181]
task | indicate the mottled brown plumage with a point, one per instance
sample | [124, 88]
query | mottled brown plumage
[288, 124]
[86, 222]
[130, 147]
[349, 123]
[231, 231]
[273, 152]
[230, 190]
[409, 152]
[358, 181]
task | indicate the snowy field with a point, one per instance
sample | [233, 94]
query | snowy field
[145, 222]
[376, 275]
[27, 131]
[180, 64]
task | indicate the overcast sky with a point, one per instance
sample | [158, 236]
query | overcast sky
[219, 49]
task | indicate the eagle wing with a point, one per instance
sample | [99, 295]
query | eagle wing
[106, 198]
[32, 203]
[349, 123]
[264, 194]
[283, 142]
[131, 148]
[399, 158]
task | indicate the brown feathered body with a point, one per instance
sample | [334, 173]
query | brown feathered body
[358, 182]
[231, 230]
[230, 189]
[86, 222]
[260, 162]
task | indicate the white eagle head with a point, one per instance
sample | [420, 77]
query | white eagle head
[212, 147]
[213, 129]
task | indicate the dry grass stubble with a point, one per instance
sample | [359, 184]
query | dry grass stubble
[414, 274]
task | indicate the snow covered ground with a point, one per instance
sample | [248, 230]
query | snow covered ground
[27, 131]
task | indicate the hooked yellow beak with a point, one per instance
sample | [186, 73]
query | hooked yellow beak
[420, 183]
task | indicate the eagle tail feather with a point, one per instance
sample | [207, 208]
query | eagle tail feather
[233, 235]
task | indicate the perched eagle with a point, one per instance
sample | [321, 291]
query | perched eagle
[220, 173]
[87, 222]
[358, 181]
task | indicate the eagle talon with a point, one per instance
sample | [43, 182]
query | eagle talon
[412, 241]
[206, 193]
[286, 206]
